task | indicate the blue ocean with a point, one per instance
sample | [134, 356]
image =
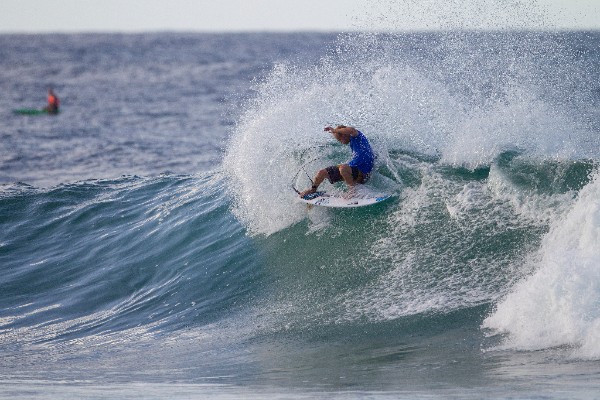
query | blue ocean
[152, 246]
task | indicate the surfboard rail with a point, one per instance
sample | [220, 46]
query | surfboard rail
[343, 200]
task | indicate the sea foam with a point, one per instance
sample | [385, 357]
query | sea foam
[559, 303]
[465, 100]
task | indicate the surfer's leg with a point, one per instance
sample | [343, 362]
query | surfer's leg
[358, 176]
[353, 177]
[319, 178]
[346, 172]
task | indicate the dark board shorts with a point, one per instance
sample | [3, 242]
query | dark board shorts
[333, 174]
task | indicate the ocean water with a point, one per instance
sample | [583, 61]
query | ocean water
[151, 245]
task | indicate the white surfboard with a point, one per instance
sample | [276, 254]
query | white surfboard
[342, 200]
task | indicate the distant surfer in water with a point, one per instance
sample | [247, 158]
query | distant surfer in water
[53, 102]
[357, 170]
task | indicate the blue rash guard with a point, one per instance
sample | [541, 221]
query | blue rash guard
[363, 156]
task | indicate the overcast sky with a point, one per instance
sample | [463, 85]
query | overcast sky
[292, 15]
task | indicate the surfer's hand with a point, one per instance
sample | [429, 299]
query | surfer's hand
[328, 129]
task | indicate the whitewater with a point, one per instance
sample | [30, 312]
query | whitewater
[151, 244]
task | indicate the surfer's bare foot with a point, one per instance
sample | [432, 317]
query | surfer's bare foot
[351, 192]
[308, 191]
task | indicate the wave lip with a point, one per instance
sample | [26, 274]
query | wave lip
[559, 304]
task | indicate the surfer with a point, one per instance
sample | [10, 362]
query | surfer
[357, 170]
[53, 102]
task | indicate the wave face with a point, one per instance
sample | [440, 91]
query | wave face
[486, 141]
[220, 279]
[107, 256]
